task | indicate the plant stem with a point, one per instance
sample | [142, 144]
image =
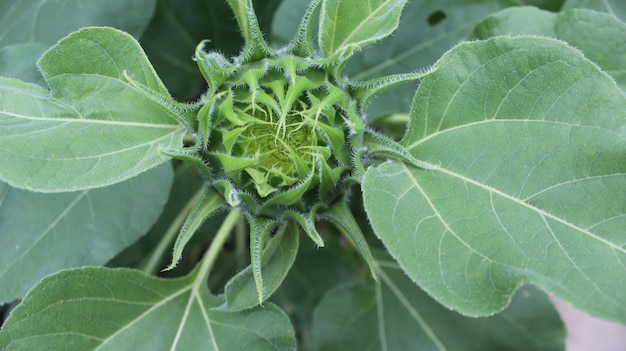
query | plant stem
[241, 243]
[152, 264]
[216, 245]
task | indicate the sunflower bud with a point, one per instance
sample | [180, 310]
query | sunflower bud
[277, 130]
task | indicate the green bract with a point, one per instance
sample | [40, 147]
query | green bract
[276, 128]
[281, 134]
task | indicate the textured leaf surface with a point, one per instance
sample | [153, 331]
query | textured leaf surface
[44, 233]
[530, 139]
[427, 30]
[120, 309]
[46, 21]
[94, 128]
[315, 271]
[177, 28]
[615, 8]
[397, 315]
[278, 257]
[29, 27]
[599, 36]
[356, 23]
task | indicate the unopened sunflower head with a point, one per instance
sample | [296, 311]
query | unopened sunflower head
[278, 129]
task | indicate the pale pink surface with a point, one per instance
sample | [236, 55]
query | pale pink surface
[586, 333]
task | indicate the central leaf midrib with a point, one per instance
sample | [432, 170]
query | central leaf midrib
[518, 201]
[149, 143]
[363, 22]
[144, 314]
[172, 126]
[416, 143]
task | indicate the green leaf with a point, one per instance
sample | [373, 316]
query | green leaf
[206, 205]
[615, 8]
[397, 315]
[598, 35]
[18, 61]
[278, 257]
[260, 229]
[175, 31]
[95, 127]
[47, 21]
[129, 310]
[315, 271]
[44, 233]
[427, 30]
[530, 141]
[353, 24]
[28, 27]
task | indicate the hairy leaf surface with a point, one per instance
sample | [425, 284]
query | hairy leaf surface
[427, 30]
[356, 23]
[599, 36]
[278, 257]
[102, 122]
[121, 309]
[530, 139]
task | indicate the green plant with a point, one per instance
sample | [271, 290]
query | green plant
[422, 190]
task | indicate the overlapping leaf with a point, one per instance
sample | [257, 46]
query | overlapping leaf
[103, 121]
[45, 233]
[615, 8]
[278, 257]
[29, 27]
[599, 36]
[46, 21]
[346, 24]
[120, 309]
[530, 139]
[397, 315]
[427, 30]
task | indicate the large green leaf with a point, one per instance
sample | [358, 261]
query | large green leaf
[352, 24]
[615, 8]
[44, 233]
[397, 315]
[427, 30]
[46, 21]
[18, 61]
[121, 309]
[102, 123]
[179, 26]
[315, 271]
[600, 36]
[28, 27]
[529, 142]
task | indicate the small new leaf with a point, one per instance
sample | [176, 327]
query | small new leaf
[355, 23]
[278, 257]
[208, 204]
